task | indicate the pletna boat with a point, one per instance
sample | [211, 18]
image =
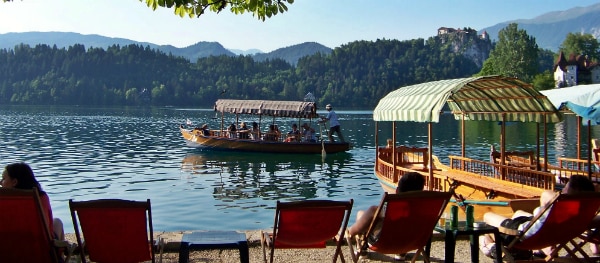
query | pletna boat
[253, 140]
[490, 185]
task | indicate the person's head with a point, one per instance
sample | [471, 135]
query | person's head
[294, 126]
[328, 107]
[578, 183]
[305, 126]
[254, 125]
[20, 176]
[412, 181]
[271, 127]
[243, 125]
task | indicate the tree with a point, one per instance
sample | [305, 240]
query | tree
[581, 44]
[260, 9]
[515, 55]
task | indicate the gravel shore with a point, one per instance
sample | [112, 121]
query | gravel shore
[462, 252]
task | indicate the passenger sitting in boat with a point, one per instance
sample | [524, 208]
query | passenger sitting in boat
[520, 219]
[243, 131]
[308, 134]
[205, 130]
[255, 131]
[294, 134]
[273, 134]
[232, 131]
[411, 181]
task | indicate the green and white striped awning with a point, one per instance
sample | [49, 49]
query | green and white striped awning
[491, 98]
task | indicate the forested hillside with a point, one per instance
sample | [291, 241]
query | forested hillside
[354, 75]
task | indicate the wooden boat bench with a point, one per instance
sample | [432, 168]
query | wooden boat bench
[516, 158]
[414, 158]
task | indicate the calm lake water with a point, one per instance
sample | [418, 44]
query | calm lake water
[138, 153]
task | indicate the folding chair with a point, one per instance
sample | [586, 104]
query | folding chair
[114, 230]
[24, 231]
[403, 222]
[568, 216]
[307, 224]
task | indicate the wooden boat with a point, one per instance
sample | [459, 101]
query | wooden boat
[500, 186]
[223, 140]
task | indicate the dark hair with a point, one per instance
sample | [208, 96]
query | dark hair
[579, 183]
[412, 181]
[24, 175]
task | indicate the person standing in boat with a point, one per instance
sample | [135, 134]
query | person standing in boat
[334, 124]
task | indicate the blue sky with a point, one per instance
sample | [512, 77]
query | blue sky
[329, 22]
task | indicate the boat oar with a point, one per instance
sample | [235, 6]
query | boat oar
[323, 152]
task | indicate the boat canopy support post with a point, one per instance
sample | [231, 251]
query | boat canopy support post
[589, 148]
[394, 161]
[579, 121]
[537, 150]
[463, 142]
[376, 140]
[430, 152]
[503, 145]
[545, 144]
[222, 133]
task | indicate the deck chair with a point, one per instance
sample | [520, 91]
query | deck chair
[25, 235]
[403, 222]
[114, 230]
[307, 224]
[568, 217]
[590, 236]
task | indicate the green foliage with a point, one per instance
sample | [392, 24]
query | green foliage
[260, 9]
[357, 74]
[581, 44]
[515, 55]
[543, 80]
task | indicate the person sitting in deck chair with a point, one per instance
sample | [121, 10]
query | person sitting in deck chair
[520, 219]
[411, 181]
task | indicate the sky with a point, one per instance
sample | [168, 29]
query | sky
[329, 22]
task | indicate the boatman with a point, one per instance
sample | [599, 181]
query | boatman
[333, 122]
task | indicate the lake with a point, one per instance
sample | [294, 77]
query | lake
[84, 153]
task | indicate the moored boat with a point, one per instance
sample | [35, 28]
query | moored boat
[256, 141]
[499, 186]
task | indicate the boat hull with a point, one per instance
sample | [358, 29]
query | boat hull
[247, 145]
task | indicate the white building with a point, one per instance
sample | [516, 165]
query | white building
[575, 71]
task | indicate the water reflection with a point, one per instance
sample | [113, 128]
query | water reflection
[265, 176]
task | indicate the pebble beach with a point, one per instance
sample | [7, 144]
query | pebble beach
[462, 252]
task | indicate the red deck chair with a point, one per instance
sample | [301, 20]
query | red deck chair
[24, 232]
[114, 230]
[568, 217]
[406, 223]
[307, 224]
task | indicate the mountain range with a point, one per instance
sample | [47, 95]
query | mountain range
[549, 30]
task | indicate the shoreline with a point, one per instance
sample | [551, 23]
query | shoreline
[172, 240]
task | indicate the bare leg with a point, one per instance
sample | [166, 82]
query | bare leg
[363, 220]
[58, 229]
[493, 219]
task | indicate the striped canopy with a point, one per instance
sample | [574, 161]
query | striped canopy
[491, 98]
[296, 109]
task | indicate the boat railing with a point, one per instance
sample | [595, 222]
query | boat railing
[408, 159]
[572, 166]
[524, 175]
